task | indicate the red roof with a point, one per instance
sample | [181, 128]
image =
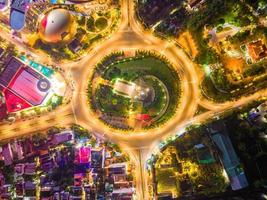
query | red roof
[21, 86]
[14, 103]
[143, 117]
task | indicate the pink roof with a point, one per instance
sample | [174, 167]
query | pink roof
[84, 154]
[7, 154]
[25, 84]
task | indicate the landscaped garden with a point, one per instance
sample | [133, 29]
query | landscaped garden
[189, 165]
[225, 35]
[134, 92]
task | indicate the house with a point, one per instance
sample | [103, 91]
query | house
[19, 187]
[47, 162]
[17, 150]
[5, 192]
[256, 50]
[27, 147]
[46, 193]
[19, 169]
[75, 45]
[30, 189]
[118, 168]
[29, 168]
[62, 137]
[97, 158]
[7, 154]
[122, 194]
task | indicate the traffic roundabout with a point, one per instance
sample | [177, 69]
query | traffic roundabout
[133, 91]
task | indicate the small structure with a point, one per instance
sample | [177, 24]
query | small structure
[131, 90]
[258, 116]
[75, 45]
[204, 154]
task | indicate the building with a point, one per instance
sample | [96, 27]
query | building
[19, 169]
[256, 51]
[83, 154]
[22, 86]
[57, 25]
[3, 4]
[5, 192]
[33, 14]
[97, 158]
[75, 45]
[29, 168]
[65, 136]
[30, 188]
[204, 154]
[193, 4]
[257, 116]
[17, 13]
[122, 194]
[7, 154]
[228, 156]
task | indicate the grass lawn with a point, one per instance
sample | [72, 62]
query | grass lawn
[149, 66]
[101, 23]
[159, 102]
[111, 102]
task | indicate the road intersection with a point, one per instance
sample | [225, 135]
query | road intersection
[139, 145]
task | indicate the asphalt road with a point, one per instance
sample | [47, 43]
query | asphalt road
[139, 145]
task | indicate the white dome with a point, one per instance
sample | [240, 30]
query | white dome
[56, 26]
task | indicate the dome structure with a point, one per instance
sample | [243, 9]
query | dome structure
[57, 26]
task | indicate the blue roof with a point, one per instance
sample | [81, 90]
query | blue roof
[17, 19]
